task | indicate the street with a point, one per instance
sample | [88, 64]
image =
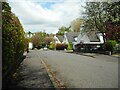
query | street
[78, 71]
[60, 44]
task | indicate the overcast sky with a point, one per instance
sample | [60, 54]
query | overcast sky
[48, 15]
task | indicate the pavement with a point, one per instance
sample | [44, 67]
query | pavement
[31, 74]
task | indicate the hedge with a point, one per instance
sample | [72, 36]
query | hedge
[52, 46]
[110, 45]
[12, 38]
[70, 46]
[61, 46]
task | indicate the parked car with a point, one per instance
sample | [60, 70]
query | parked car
[45, 48]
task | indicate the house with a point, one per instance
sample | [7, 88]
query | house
[67, 37]
[60, 37]
[82, 40]
[70, 37]
[88, 41]
[27, 35]
[56, 40]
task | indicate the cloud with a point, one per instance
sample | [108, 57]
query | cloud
[36, 15]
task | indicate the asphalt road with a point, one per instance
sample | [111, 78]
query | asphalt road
[78, 71]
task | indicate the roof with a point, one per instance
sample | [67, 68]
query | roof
[89, 38]
[71, 36]
[60, 37]
[93, 36]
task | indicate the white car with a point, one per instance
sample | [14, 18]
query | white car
[45, 48]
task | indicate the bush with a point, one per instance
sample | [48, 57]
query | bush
[61, 46]
[52, 46]
[38, 47]
[110, 45]
[70, 46]
[26, 44]
[12, 37]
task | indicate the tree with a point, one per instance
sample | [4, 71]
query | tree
[113, 32]
[63, 29]
[100, 14]
[48, 40]
[38, 39]
[113, 20]
[75, 24]
[95, 17]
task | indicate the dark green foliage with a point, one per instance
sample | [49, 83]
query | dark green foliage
[12, 37]
[110, 45]
[63, 29]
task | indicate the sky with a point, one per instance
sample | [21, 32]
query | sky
[46, 15]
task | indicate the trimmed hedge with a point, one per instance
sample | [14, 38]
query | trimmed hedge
[70, 46]
[61, 46]
[12, 39]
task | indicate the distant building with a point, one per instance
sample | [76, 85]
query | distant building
[29, 35]
[30, 45]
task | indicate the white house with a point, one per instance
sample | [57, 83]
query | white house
[56, 39]
[70, 37]
[91, 40]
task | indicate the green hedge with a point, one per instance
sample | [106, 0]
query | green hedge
[12, 38]
[70, 46]
[52, 46]
[110, 45]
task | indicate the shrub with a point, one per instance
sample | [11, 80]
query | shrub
[26, 44]
[52, 46]
[70, 46]
[12, 37]
[61, 46]
[110, 45]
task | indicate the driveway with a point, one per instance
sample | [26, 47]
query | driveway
[78, 71]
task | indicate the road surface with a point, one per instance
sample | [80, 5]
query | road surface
[78, 71]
